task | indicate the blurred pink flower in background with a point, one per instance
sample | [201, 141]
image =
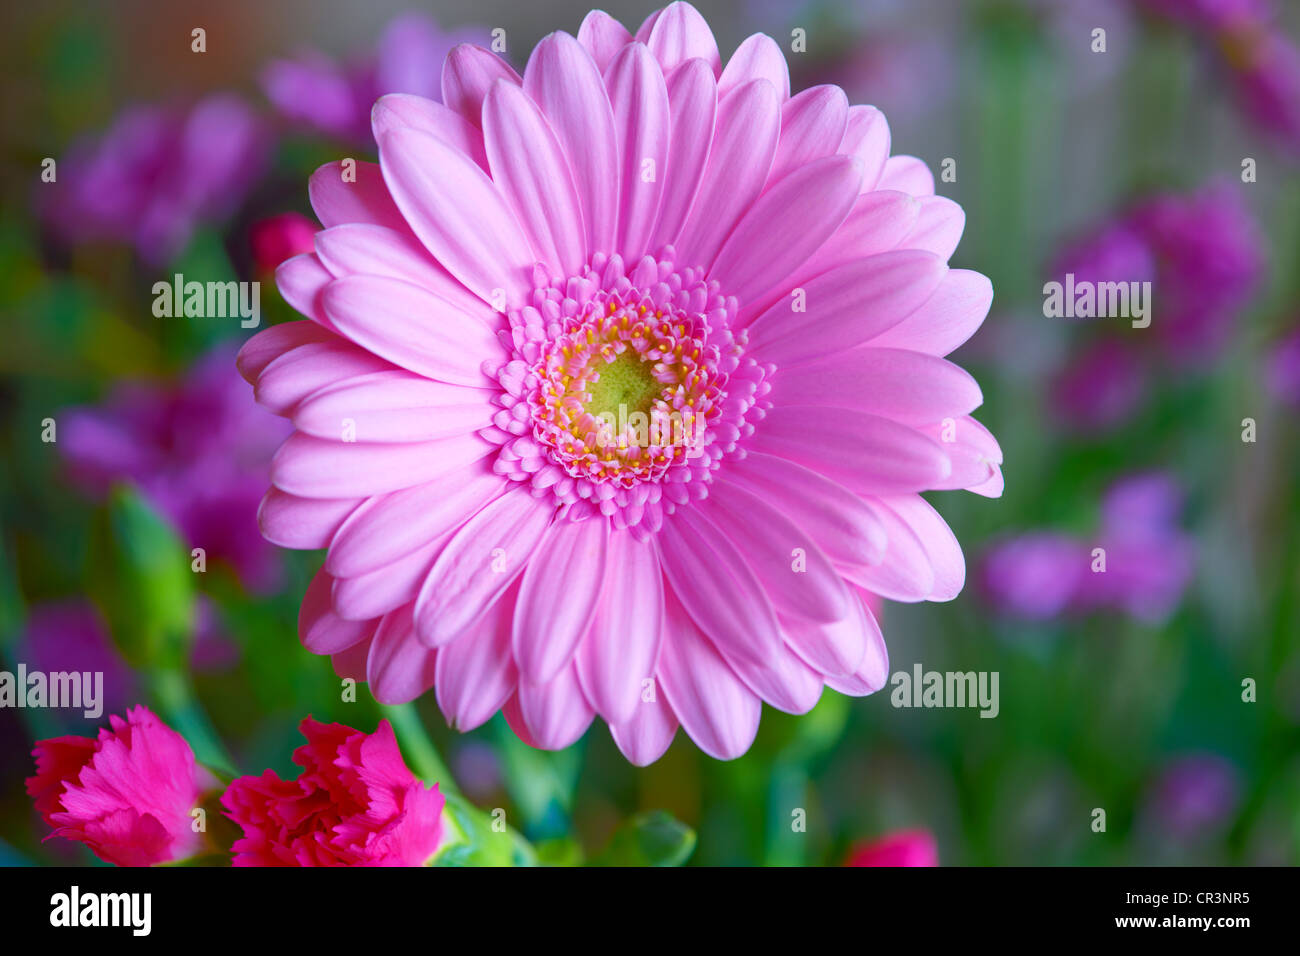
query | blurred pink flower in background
[199, 450]
[335, 99]
[155, 174]
[1283, 373]
[127, 794]
[1202, 251]
[277, 238]
[1149, 560]
[354, 804]
[903, 848]
[488, 536]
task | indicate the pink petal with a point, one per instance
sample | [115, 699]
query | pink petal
[715, 707]
[768, 540]
[299, 372]
[907, 174]
[873, 673]
[867, 137]
[603, 37]
[812, 126]
[399, 668]
[564, 81]
[975, 456]
[749, 122]
[621, 647]
[846, 306]
[412, 328]
[838, 520]
[388, 527]
[639, 98]
[395, 110]
[385, 589]
[877, 223]
[458, 214]
[679, 34]
[301, 280]
[476, 671]
[320, 629]
[906, 573]
[558, 596]
[556, 712]
[941, 545]
[338, 200]
[864, 453]
[467, 74]
[950, 317]
[757, 58]
[316, 468]
[302, 523]
[270, 343]
[783, 681]
[645, 736]
[711, 579]
[938, 227]
[363, 249]
[395, 406]
[787, 225]
[464, 582]
[693, 105]
[908, 387]
[530, 170]
[835, 649]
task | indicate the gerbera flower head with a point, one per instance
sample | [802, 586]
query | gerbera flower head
[619, 384]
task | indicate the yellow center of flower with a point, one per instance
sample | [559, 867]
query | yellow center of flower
[627, 382]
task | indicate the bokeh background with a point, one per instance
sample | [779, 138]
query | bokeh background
[1122, 692]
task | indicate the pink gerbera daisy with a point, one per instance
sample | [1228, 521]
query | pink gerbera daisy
[620, 385]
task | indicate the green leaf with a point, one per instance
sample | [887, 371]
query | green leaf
[142, 582]
[649, 839]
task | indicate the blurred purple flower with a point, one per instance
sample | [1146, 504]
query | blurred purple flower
[1263, 65]
[68, 635]
[1148, 559]
[1100, 387]
[155, 174]
[335, 98]
[1283, 376]
[1193, 794]
[1202, 251]
[199, 450]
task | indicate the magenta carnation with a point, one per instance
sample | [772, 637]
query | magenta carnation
[354, 804]
[902, 848]
[128, 794]
[620, 384]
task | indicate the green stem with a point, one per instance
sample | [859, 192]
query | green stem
[176, 699]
